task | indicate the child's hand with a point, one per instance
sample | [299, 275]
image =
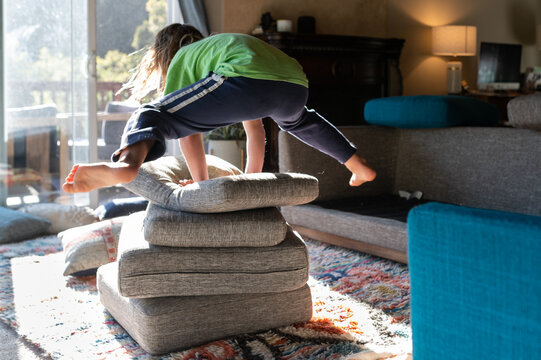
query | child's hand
[185, 182]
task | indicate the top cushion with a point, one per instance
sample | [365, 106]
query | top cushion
[430, 111]
[525, 111]
[227, 190]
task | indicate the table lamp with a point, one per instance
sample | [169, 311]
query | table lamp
[454, 40]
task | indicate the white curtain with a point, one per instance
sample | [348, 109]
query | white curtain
[173, 12]
[194, 13]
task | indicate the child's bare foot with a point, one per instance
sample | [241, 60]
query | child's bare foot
[87, 177]
[360, 170]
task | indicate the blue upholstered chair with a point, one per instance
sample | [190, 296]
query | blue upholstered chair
[475, 283]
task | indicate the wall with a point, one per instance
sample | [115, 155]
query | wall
[503, 21]
[351, 17]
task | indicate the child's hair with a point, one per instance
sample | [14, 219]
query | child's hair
[151, 72]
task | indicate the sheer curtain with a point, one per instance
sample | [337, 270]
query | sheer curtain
[194, 13]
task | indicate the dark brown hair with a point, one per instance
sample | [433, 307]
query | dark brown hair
[151, 72]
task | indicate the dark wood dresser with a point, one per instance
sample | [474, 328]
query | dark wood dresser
[344, 72]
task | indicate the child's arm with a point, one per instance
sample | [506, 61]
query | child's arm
[255, 145]
[194, 153]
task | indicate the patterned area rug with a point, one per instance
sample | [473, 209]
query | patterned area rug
[361, 311]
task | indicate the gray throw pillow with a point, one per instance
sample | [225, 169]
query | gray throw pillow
[17, 226]
[227, 189]
[525, 111]
[257, 227]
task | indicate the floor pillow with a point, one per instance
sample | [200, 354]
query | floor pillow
[227, 189]
[90, 246]
[121, 207]
[256, 227]
[17, 226]
[61, 216]
[164, 324]
[147, 270]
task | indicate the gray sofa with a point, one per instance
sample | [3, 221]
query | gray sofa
[493, 168]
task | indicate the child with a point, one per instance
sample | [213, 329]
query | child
[213, 82]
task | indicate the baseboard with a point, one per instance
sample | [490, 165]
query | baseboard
[372, 249]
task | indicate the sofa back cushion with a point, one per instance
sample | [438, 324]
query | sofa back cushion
[493, 168]
[377, 144]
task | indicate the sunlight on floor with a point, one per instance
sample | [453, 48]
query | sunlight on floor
[360, 321]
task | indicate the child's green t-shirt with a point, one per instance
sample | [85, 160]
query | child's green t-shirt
[231, 55]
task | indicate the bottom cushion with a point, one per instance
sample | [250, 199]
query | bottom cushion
[147, 270]
[165, 324]
[391, 207]
[387, 233]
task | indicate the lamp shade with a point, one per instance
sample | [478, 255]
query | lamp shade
[454, 40]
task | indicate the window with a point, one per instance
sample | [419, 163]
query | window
[50, 119]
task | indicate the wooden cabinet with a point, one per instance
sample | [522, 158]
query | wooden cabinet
[344, 73]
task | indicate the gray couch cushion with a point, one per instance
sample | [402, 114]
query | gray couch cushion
[147, 270]
[158, 182]
[493, 168]
[257, 227]
[383, 232]
[165, 324]
[377, 144]
[525, 111]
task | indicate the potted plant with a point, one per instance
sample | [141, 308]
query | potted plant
[228, 143]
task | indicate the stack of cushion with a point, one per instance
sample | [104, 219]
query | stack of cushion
[210, 259]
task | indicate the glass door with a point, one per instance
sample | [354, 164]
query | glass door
[46, 87]
[63, 64]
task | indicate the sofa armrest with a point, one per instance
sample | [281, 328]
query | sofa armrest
[475, 283]
[377, 144]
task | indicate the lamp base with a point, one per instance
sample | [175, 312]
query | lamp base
[454, 77]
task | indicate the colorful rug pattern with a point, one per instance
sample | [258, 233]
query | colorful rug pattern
[360, 311]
